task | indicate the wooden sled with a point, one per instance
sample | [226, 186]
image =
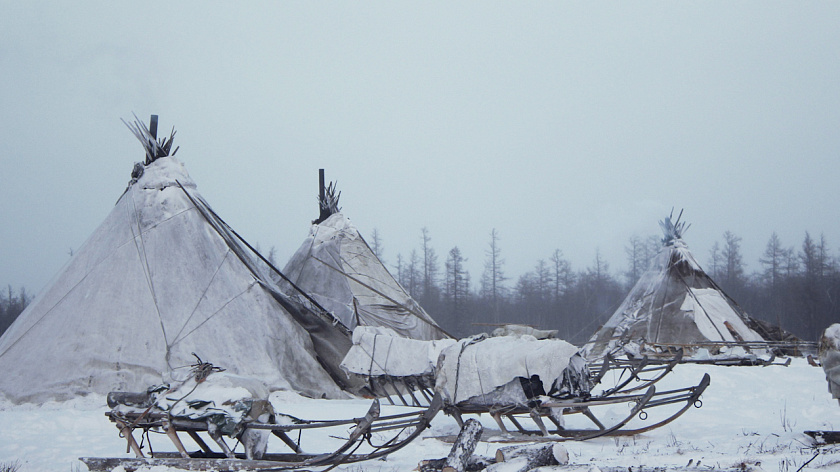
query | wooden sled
[643, 371]
[408, 426]
[642, 402]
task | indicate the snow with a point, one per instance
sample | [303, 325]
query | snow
[750, 415]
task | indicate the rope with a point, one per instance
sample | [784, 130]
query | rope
[203, 293]
[141, 253]
[409, 310]
[248, 288]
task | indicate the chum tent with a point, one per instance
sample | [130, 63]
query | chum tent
[160, 279]
[337, 267]
[675, 304]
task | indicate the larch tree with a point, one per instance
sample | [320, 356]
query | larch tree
[493, 277]
[376, 245]
[430, 269]
[562, 276]
[772, 262]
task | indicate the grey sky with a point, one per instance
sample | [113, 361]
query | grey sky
[563, 125]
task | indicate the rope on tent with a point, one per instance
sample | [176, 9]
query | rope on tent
[141, 253]
[200, 298]
[219, 225]
[434, 325]
[409, 310]
[247, 289]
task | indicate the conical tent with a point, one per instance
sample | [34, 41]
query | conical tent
[159, 280]
[674, 303]
[337, 268]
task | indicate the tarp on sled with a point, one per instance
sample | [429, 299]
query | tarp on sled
[480, 369]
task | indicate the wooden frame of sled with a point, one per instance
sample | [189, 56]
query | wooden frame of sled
[414, 391]
[645, 372]
[418, 391]
[689, 396]
[221, 457]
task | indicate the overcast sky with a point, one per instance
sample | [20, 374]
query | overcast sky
[567, 126]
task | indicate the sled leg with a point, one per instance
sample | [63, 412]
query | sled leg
[535, 415]
[588, 413]
[516, 423]
[498, 418]
[560, 427]
[383, 387]
[129, 436]
[203, 445]
[173, 436]
[454, 412]
[213, 430]
[289, 441]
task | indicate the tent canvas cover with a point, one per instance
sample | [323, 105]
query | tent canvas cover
[336, 267]
[674, 302]
[159, 280]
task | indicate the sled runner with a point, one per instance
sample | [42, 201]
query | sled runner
[137, 423]
[549, 409]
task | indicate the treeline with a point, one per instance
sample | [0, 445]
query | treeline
[11, 305]
[796, 287]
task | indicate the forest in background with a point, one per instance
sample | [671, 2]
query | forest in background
[795, 287]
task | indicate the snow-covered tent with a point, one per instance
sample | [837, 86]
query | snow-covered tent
[675, 303]
[160, 279]
[338, 269]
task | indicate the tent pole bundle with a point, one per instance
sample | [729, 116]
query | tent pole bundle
[155, 149]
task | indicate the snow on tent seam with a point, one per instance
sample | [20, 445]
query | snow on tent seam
[336, 266]
[154, 283]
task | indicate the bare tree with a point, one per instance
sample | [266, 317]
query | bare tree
[492, 280]
[430, 267]
[456, 280]
[376, 244]
[772, 261]
[734, 262]
[715, 261]
[272, 256]
[636, 253]
[413, 277]
[562, 276]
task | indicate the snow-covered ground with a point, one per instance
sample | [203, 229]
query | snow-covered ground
[750, 415]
